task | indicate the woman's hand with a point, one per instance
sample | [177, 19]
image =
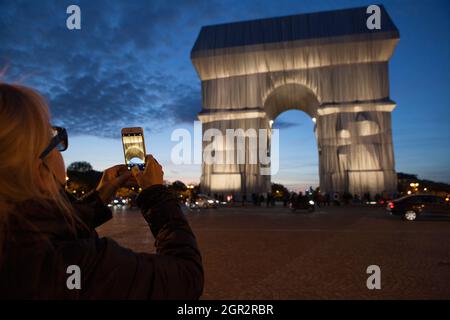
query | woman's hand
[152, 174]
[113, 179]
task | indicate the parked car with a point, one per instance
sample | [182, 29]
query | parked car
[413, 206]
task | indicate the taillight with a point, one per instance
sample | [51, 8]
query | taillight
[391, 205]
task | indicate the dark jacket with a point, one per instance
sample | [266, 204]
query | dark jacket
[38, 246]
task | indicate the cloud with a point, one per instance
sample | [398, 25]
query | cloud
[280, 124]
[128, 65]
[185, 107]
[122, 68]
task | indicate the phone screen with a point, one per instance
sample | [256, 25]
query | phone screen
[134, 148]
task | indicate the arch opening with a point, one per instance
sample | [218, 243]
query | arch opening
[291, 96]
[298, 151]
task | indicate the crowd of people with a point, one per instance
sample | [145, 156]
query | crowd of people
[290, 199]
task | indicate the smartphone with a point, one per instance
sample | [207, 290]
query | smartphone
[134, 147]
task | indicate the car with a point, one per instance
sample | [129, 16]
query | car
[203, 201]
[118, 202]
[412, 206]
[302, 203]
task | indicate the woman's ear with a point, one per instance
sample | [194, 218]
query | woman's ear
[39, 173]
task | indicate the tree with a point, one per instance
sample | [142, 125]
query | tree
[82, 178]
[80, 166]
[279, 191]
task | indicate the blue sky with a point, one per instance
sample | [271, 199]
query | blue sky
[129, 65]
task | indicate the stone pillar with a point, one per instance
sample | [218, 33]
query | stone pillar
[355, 148]
[235, 177]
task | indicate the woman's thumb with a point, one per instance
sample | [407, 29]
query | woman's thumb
[136, 173]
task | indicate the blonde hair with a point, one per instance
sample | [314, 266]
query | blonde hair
[25, 131]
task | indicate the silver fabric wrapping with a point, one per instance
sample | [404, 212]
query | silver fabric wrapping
[327, 64]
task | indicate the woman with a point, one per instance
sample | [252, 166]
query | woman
[45, 236]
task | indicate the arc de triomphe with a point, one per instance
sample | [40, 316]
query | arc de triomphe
[328, 64]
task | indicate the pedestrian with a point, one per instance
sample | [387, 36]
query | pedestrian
[327, 199]
[316, 198]
[285, 199]
[293, 199]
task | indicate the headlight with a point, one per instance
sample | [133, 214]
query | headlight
[210, 201]
[116, 201]
[311, 202]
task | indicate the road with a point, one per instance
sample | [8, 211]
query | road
[271, 253]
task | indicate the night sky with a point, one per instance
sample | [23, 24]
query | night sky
[130, 65]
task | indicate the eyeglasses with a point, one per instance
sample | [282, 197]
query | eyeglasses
[59, 141]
